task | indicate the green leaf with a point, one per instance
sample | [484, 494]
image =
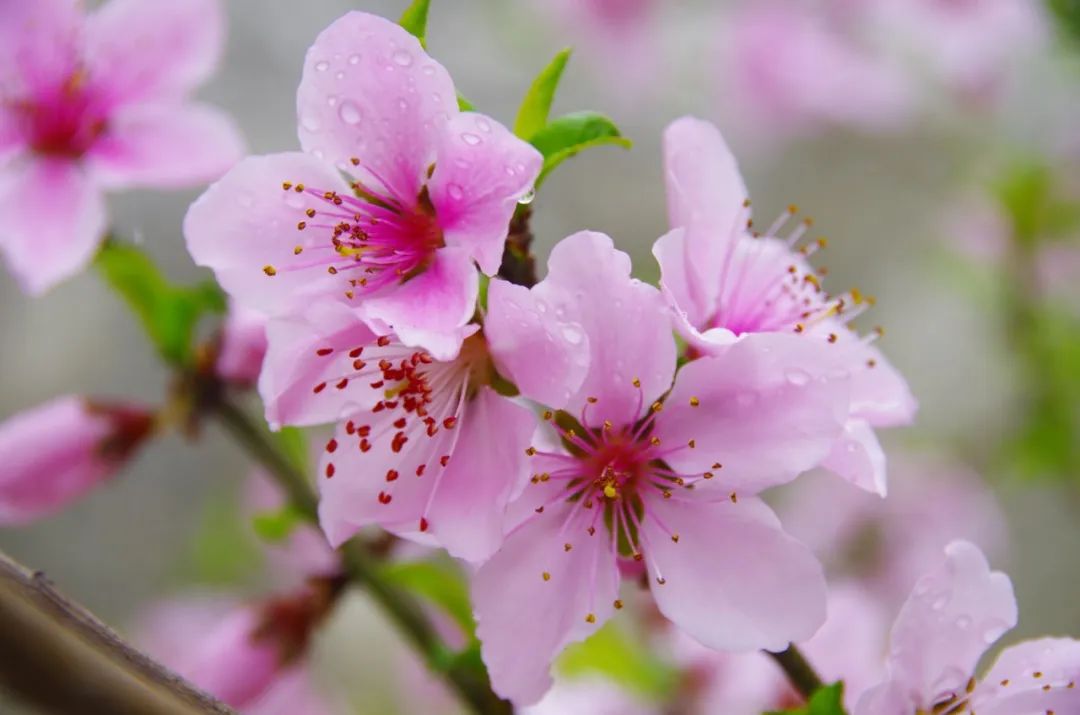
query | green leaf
[570, 134]
[1067, 13]
[414, 20]
[294, 443]
[464, 104]
[222, 551]
[613, 654]
[828, 700]
[168, 312]
[532, 116]
[440, 582]
[277, 526]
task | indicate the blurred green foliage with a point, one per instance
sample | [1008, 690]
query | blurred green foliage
[438, 581]
[414, 20]
[1067, 14]
[614, 654]
[828, 700]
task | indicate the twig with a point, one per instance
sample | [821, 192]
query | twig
[800, 673]
[362, 567]
[56, 655]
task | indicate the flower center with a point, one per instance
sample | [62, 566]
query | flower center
[63, 121]
[373, 237]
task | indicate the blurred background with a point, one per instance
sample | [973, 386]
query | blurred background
[938, 154]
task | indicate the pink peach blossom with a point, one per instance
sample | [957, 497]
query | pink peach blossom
[590, 696]
[431, 191]
[724, 284]
[242, 346]
[953, 615]
[666, 475]
[425, 448]
[97, 101]
[55, 453]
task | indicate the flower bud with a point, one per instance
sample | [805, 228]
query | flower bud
[243, 346]
[56, 452]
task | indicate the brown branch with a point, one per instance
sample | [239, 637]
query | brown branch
[57, 656]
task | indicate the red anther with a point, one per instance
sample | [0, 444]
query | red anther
[342, 384]
[355, 352]
[377, 384]
[323, 352]
[383, 341]
[331, 445]
[420, 470]
[350, 427]
[385, 365]
[423, 524]
[444, 460]
[379, 407]
[400, 423]
[319, 388]
[363, 430]
[329, 470]
[391, 475]
[398, 442]
[359, 365]
[384, 498]
[364, 445]
[449, 422]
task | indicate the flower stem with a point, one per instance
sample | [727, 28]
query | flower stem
[800, 673]
[362, 567]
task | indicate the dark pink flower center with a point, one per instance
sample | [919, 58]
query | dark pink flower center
[372, 238]
[63, 121]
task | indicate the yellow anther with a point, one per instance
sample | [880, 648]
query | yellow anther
[269, 270]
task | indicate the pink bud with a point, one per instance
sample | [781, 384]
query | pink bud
[234, 662]
[56, 452]
[243, 345]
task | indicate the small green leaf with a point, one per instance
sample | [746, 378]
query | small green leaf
[277, 526]
[535, 108]
[828, 700]
[570, 134]
[464, 104]
[168, 312]
[440, 582]
[414, 20]
[294, 444]
[613, 654]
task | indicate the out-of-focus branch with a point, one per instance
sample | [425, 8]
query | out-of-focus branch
[57, 656]
[799, 672]
[361, 566]
[519, 263]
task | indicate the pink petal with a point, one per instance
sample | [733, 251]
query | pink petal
[879, 394]
[370, 91]
[297, 363]
[54, 220]
[481, 170]
[246, 221]
[888, 698]
[39, 44]
[525, 620]
[702, 177]
[734, 580]
[768, 408]
[431, 310]
[165, 146]
[680, 283]
[529, 344]
[857, 457]
[242, 347]
[1056, 660]
[293, 693]
[586, 303]
[953, 615]
[488, 463]
[144, 49]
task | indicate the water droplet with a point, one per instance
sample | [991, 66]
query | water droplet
[455, 191]
[470, 139]
[403, 104]
[339, 75]
[560, 313]
[354, 59]
[939, 602]
[349, 112]
[429, 70]
[403, 58]
[797, 376]
[310, 122]
[332, 100]
[318, 154]
[484, 125]
[541, 306]
[963, 622]
[462, 163]
[436, 97]
[572, 334]
[322, 66]
[527, 197]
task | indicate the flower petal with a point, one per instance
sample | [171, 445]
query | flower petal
[487, 465]
[857, 457]
[767, 408]
[951, 617]
[733, 580]
[54, 220]
[1011, 686]
[246, 221]
[165, 146]
[144, 49]
[481, 170]
[39, 44]
[879, 394]
[370, 91]
[702, 177]
[432, 309]
[525, 619]
[529, 345]
[679, 281]
[307, 352]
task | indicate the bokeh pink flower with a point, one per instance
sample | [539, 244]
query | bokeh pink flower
[98, 101]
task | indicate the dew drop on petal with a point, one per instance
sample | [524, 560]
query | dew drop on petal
[354, 59]
[527, 197]
[402, 58]
[429, 70]
[322, 66]
[963, 622]
[349, 112]
[310, 122]
[455, 191]
[339, 75]
[572, 334]
[470, 139]
[484, 125]
[797, 376]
